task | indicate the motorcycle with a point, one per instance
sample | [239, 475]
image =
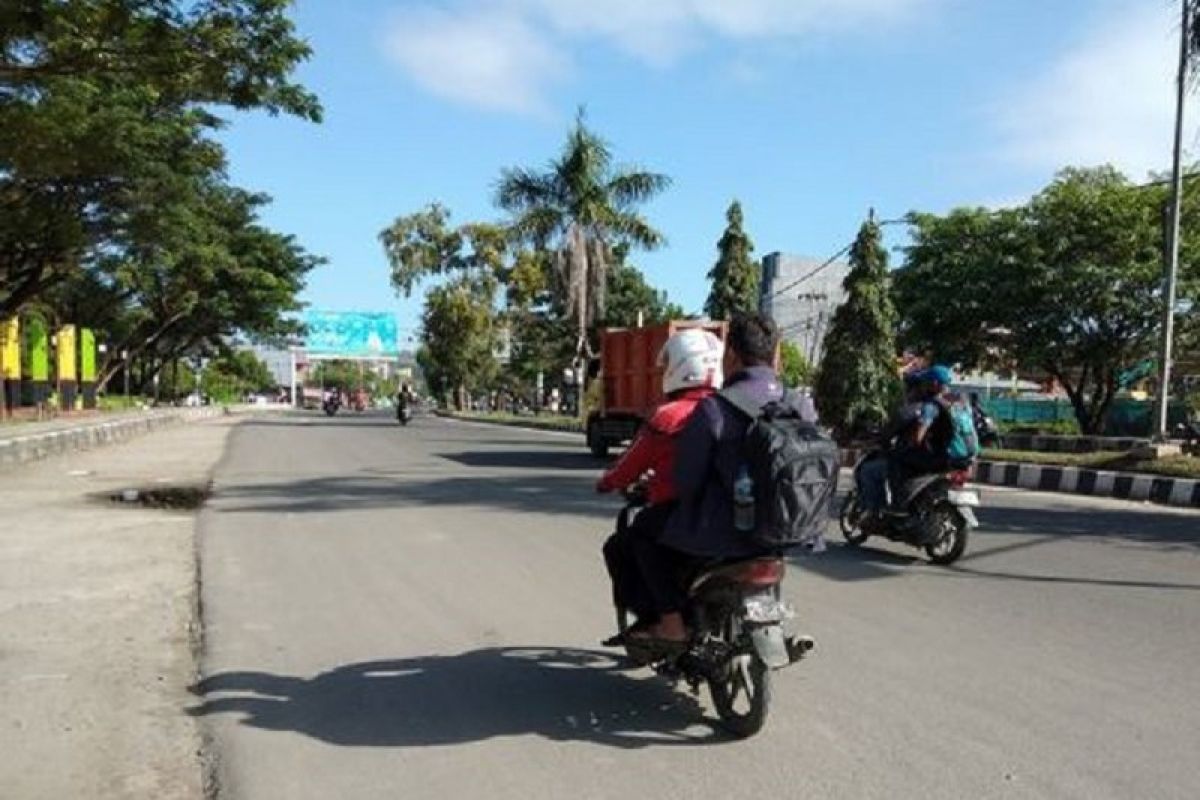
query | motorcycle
[404, 414]
[330, 406]
[936, 513]
[736, 614]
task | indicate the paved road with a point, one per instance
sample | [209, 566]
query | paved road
[415, 613]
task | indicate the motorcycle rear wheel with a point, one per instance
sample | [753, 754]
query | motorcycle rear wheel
[951, 537]
[850, 521]
[743, 693]
[748, 683]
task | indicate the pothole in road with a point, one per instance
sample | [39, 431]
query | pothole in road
[170, 498]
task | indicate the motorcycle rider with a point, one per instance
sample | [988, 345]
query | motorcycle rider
[404, 399]
[691, 361]
[873, 475]
[701, 528]
[923, 451]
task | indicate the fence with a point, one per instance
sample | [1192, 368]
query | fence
[1126, 417]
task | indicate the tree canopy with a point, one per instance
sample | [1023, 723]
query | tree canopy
[857, 383]
[794, 368]
[578, 209]
[1069, 285]
[567, 237]
[735, 276]
[111, 180]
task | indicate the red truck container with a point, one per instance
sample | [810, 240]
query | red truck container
[632, 380]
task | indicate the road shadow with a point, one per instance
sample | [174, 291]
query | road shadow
[556, 459]
[1137, 524]
[297, 419]
[569, 493]
[841, 562]
[439, 701]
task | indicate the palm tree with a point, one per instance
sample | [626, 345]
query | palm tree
[580, 209]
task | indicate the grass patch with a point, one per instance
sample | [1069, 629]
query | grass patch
[1172, 467]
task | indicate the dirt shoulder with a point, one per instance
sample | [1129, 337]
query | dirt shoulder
[97, 615]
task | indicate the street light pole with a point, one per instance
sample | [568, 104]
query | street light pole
[1164, 379]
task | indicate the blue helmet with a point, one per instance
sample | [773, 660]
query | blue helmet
[939, 374]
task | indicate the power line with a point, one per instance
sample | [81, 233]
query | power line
[829, 261]
[824, 265]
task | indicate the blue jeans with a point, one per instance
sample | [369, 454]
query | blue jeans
[872, 484]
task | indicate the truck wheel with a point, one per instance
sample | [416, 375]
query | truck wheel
[596, 441]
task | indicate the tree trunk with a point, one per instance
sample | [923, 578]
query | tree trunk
[112, 363]
[1091, 398]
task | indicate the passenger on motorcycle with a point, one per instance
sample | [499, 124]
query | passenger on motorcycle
[924, 450]
[691, 360]
[701, 529]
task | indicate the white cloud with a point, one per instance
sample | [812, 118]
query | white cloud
[493, 60]
[506, 54]
[1108, 99]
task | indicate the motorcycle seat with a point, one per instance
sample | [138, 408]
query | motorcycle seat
[757, 570]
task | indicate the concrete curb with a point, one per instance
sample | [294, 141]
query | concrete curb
[20, 450]
[1159, 489]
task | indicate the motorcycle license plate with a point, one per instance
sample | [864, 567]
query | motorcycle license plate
[765, 610]
[963, 497]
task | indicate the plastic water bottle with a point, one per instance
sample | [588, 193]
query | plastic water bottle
[743, 501]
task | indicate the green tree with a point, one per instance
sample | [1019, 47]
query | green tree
[457, 354]
[459, 323]
[1068, 287]
[793, 367]
[631, 297]
[858, 384]
[579, 209]
[104, 110]
[232, 375]
[205, 272]
[735, 276]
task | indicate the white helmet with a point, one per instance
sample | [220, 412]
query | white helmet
[691, 358]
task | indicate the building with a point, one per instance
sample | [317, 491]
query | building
[801, 294]
[278, 361]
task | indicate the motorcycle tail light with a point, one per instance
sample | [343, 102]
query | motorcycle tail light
[761, 573]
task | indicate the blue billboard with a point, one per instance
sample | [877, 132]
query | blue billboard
[351, 334]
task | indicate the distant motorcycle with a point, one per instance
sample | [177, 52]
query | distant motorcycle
[330, 406]
[404, 414]
[935, 514]
[736, 617]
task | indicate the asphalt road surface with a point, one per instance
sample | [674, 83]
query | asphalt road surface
[415, 613]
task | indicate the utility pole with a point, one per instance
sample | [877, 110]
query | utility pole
[1164, 380]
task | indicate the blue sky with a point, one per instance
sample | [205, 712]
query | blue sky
[808, 111]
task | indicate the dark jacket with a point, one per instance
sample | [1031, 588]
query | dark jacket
[708, 454]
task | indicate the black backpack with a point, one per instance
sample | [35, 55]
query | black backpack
[794, 467]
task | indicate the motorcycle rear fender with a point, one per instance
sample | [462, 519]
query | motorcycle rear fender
[770, 645]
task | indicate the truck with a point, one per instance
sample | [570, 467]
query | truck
[632, 380]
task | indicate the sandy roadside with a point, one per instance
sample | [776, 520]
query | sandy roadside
[97, 606]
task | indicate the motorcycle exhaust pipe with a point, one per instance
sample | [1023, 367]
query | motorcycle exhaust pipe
[799, 646]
